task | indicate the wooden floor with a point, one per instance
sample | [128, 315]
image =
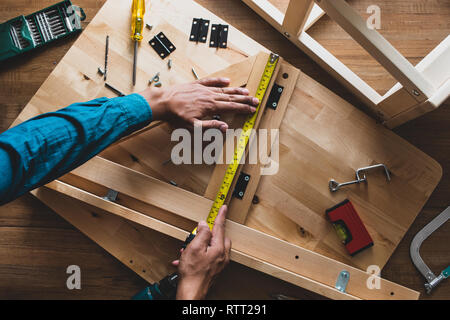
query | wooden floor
[36, 245]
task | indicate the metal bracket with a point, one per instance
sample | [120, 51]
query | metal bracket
[111, 195]
[432, 280]
[274, 97]
[199, 30]
[342, 280]
[335, 186]
[219, 36]
[241, 185]
[162, 45]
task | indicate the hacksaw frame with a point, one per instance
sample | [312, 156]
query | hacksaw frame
[420, 89]
[147, 201]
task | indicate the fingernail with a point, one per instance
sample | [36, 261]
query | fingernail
[225, 79]
[223, 127]
[255, 100]
[245, 91]
[252, 110]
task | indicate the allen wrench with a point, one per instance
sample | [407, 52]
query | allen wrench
[360, 177]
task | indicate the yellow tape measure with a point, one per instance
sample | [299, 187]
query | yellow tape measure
[242, 144]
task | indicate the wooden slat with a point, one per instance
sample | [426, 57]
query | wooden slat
[239, 208]
[252, 86]
[144, 188]
[296, 16]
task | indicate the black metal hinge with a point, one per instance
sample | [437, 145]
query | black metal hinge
[241, 185]
[274, 97]
[199, 31]
[219, 36]
[162, 45]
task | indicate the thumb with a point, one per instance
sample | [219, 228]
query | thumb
[203, 236]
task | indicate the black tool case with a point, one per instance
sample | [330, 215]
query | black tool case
[25, 33]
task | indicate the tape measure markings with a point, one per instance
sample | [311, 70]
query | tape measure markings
[242, 142]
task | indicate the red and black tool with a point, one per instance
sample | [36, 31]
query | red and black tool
[349, 227]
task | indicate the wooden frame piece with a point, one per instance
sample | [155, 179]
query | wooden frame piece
[416, 92]
[316, 272]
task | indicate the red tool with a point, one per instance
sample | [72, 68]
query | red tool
[349, 227]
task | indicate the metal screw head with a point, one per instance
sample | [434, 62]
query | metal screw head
[280, 90]
[287, 34]
[416, 93]
[241, 193]
[274, 104]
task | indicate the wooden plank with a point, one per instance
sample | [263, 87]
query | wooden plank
[272, 119]
[296, 16]
[144, 188]
[280, 253]
[252, 86]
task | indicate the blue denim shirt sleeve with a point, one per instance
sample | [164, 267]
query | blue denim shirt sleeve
[46, 147]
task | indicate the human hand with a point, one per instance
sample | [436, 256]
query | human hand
[203, 259]
[188, 104]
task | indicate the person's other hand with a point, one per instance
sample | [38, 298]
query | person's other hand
[203, 259]
[186, 104]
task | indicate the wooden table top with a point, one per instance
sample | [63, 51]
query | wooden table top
[36, 245]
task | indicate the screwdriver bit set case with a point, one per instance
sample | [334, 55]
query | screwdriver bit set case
[25, 33]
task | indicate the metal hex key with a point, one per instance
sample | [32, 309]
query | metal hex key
[335, 186]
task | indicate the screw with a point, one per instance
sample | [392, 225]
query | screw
[195, 73]
[287, 34]
[169, 63]
[100, 71]
[416, 93]
[148, 26]
[158, 84]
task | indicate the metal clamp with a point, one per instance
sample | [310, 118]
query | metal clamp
[360, 177]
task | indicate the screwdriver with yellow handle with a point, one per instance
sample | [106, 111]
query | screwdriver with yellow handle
[137, 26]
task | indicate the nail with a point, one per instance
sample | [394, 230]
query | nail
[252, 110]
[245, 91]
[255, 101]
[223, 127]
